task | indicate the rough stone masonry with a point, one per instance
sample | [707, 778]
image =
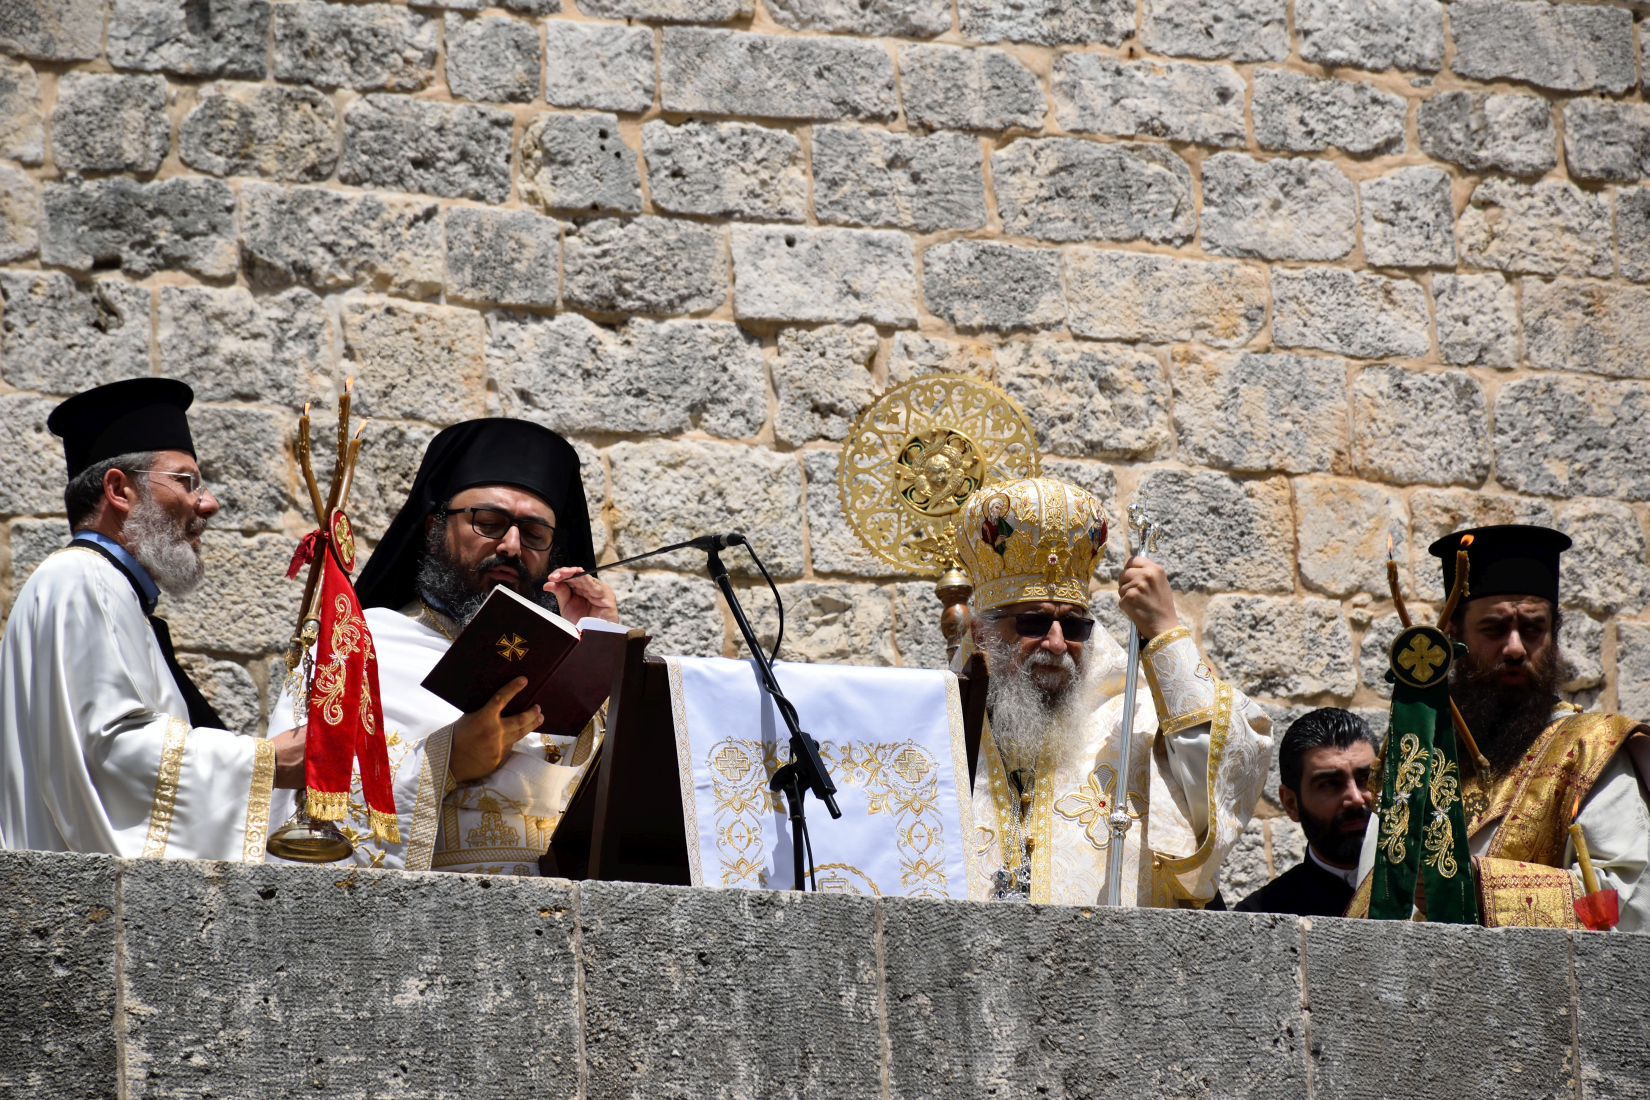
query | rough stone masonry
[1295, 275]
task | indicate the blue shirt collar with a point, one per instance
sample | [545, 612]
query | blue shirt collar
[151, 590]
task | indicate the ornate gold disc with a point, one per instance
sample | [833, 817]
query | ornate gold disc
[916, 455]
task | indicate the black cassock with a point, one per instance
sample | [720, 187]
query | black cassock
[1306, 890]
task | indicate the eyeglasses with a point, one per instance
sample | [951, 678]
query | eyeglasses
[1036, 625]
[192, 484]
[493, 523]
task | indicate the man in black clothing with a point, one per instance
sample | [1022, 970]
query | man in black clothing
[1324, 763]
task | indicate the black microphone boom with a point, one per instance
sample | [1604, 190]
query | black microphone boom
[707, 543]
[717, 542]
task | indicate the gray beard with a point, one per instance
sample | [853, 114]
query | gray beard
[1025, 718]
[155, 538]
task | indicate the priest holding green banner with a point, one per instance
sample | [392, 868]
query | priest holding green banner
[1499, 803]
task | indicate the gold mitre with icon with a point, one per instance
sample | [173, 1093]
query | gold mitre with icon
[1030, 540]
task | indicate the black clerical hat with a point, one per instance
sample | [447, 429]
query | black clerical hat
[139, 414]
[1508, 560]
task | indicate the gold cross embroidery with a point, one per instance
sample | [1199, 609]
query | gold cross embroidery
[911, 766]
[510, 647]
[1421, 657]
[731, 763]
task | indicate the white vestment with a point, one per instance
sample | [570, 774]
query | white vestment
[96, 750]
[499, 824]
[1197, 764]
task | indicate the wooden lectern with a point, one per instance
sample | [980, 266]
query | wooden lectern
[625, 823]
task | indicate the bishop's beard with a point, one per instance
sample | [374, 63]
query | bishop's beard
[160, 543]
[1506, 719]
[1025, 717]
[459, 591]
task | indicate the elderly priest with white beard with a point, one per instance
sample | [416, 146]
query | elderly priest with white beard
[1046, 778]
[105, 743]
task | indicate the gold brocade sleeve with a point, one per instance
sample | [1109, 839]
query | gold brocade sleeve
[257, 803]
[1515, 894]
[1183, 689]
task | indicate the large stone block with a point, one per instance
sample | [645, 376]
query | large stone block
[824, 275]
[1285, 209]
[31, 456]
[665, 492]
[384, 472]
[245, 607]
[1047, 22]
[415, 145]
[989, 285]
[1375, 652]
[1570, 47]
[832, 545]
[1202, 104]
[1225, 29]
[1480, 131]
[1408, 218]
[1606, 140]
[670, 11]
[229, 688]
[414, 361]
[1349, 312]
[261, 130]
[822, 380]
[506, 941]
[1162, 299]
[1372, 34]
[1435, 513]
[1632, 669]
[1580, 653]
[1384, 977]
[911, 355]
[330, 240]
[368, 47]
[1089, 400]
[1256, 546]
[1633, 232]
[576, 376]
[19, 215]
[32, 542]
[773, 76]
[1477, 318]
[243, 458]
[985, 1000]
[908, 181]
[109, 123]
[598, 65]
[210, 38]
[680, 613]
[1281, 647]
[917, 625]
[1293, 409]
[22, 118]
[872, 18]
[654, 959]
[59, 336]
[58, 937]
[944, 87]
[645, 265]
[725, 170]
[144, 227]
[1587, 326]
[1605, 570]
[1343, 532]
[231, 346]
[1612, 1043]
[509, 257]
[494, 59]
[1420, 428]
[827, 622]
[1305, 114]
[577, 162]
[1546, 228]
[53, 30]
[1565, 436]
[1062, 189]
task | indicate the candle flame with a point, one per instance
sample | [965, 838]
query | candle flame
[362, 427]
[1466, 541]
[306, 408]
[1389, 546]
[1575, 807]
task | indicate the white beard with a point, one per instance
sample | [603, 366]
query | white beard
[162, 547]
[1025, 718]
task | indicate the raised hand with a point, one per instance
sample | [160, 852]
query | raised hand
[483, 738]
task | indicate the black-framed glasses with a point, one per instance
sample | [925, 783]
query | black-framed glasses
[495, 523]
[1034, 624]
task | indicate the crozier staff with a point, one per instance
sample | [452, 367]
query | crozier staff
[105, 743]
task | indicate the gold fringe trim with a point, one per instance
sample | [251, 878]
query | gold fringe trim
[384, 826]
[166, 788]
[257, 802]
[326, 805]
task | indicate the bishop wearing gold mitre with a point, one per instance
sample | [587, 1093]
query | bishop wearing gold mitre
[1046, 778]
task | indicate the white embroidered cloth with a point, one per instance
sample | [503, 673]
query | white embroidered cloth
[893, 742]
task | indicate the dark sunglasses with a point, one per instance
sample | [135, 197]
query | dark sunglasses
[491, 523]
[1036, 625]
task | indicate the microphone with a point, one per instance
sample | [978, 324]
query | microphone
[717, 542]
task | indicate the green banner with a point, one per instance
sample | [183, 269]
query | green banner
[1423, 827]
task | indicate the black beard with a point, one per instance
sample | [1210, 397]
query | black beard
[460, 592]
[1333, 845]
[1505, 719]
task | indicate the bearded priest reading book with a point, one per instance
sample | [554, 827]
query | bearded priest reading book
[496, 502]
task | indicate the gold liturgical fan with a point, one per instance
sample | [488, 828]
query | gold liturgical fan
[912, 461]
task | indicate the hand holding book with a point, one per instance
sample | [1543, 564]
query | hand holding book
[483, 738]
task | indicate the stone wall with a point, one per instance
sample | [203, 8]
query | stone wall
[177, 979]
[1297, 275]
